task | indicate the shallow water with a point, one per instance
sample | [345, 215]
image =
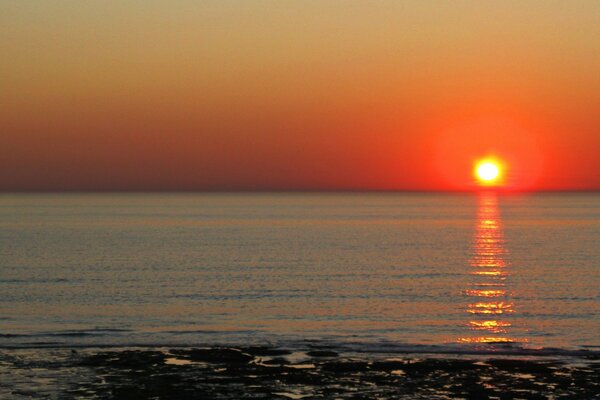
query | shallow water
[373, 268]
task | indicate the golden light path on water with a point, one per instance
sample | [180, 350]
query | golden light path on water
[490, 303]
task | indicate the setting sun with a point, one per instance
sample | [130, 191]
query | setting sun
[488, 172]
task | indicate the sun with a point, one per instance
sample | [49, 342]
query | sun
[488, 172]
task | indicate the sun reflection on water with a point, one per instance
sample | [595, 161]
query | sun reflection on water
[491, 303]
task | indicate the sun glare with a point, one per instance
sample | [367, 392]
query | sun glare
[488, 172]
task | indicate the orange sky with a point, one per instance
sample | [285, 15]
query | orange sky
[239, 95]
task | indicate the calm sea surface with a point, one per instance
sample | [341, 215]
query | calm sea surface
[373, 268]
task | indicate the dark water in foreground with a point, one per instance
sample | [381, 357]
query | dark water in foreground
[447, 270]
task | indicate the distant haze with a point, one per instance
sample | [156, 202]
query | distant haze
[282, 95]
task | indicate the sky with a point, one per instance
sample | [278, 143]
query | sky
[298, 95]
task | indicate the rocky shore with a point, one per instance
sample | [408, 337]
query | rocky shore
[279, 373]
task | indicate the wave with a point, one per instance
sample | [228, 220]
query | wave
[67, 333]
[122, 338]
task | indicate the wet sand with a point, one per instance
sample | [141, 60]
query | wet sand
[314, 372]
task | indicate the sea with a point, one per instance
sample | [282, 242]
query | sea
[414, 270]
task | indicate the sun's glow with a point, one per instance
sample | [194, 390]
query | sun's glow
[488, 172]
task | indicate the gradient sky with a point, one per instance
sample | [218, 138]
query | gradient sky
[244, 95]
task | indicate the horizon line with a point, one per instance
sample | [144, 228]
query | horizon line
[298, 191]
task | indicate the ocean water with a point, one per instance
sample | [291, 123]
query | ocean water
[408, 269]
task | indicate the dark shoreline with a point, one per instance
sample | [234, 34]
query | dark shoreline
[488, 349]
[264, 372]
